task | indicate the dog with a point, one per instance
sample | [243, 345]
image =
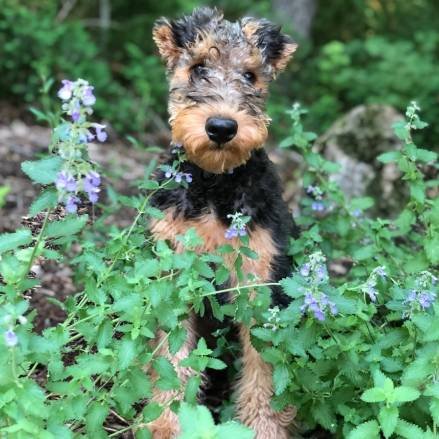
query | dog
[219, 72]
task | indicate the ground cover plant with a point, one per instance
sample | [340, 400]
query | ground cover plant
[355, 351]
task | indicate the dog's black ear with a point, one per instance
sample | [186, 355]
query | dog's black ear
[276, 47]
[173, 36]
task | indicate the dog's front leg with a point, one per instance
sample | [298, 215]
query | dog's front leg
[255, 389]
[166, 426]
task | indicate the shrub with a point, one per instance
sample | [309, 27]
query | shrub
[355, 352]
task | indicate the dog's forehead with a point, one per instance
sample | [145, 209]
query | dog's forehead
[225, 42]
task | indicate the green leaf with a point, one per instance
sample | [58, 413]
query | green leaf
[234, 430]
[431, 247]
[362, 253]
[67, 227]
[434, 410]
[196, 422]
[366, 430]
[417, 191]
[375, 394]
[168, 377]
[42, 171]
[221, 275]
[47, 199]
[389, 157]
[126, 353]
[408, 430]
[292, 287]
[152, 411]
[280, 379]
[362, 203]
[192, 388]
[388, 417]
[405, 394]
[96, 414]
[11, 241]
[216, 363]
[249, 253]
[287, 142]
[176, 339]
[105, 334]
[424, 155]
[143, 434]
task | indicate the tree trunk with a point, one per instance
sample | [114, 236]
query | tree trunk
[296, 14]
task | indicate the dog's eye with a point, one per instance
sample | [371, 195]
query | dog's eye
[250, 77]
[199, 70]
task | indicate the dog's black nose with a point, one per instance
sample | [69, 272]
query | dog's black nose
[221, 130]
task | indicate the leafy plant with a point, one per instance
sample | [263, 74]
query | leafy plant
[356, 352]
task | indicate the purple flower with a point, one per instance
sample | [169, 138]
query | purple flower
[426, 299]
[411, 297]
[65, 181]
[188, 177]
[178, 177]
[72, 204]
[231, 232]
[101, 135]
[65, 92]
[318, 306]
[317, 206]
[310, 190]
[321, 273]
[418, 300]
[356, 213]
[88, 97]
[168, 173]
[91, 184]
[333, 308]
[242, 231]
[305, 270]
[11, 338]
[92, 180]
[76, 114]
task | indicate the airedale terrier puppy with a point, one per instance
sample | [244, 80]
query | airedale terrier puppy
[219, 73]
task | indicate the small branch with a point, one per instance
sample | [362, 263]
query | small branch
[67, 7]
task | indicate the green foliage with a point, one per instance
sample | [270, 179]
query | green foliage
[375, 70]
[355, 352]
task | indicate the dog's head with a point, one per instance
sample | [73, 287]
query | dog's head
[219, 73]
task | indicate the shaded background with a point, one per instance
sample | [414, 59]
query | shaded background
[351, 52]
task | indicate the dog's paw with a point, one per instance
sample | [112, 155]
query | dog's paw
[166, 426]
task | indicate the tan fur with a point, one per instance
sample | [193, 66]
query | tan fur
[166, 426]
[250, 29]
[280, 63]
[211, 230]
[254, 394]
[188, 128]
[162, 36]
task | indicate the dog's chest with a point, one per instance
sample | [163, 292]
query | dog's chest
[212, 231]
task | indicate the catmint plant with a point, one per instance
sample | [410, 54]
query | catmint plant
[77, 176]
[370, 287]
[315, 273]
[238, 226]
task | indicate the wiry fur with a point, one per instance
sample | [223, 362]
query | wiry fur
[221, 69]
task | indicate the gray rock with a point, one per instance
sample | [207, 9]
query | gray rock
[354, 141]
